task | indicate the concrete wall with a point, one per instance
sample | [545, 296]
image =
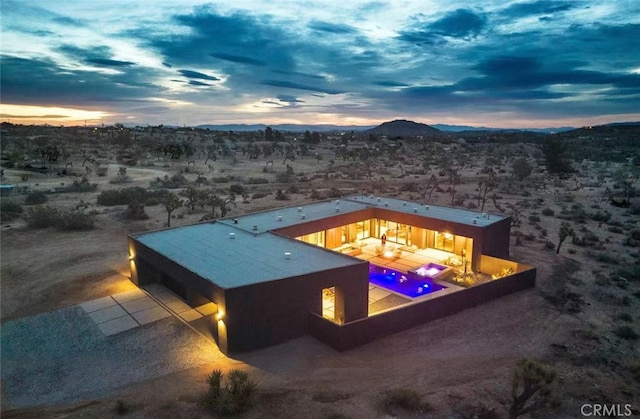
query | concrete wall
[265, 314]
[360, 332]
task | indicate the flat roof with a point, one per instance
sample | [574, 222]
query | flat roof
[206, 250]
[288, 216]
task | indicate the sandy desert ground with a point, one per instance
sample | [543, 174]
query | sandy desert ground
[462, 364]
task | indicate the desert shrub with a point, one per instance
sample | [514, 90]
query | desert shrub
[257, 180]
[258, 195]
[232, 395]
[404, 399]
[315, 195]
[548, 212]
[334, 193]
[176, 181]
[615, 229]
[284, 177]
[549, 245]
[293, 189]
[125, 196]
[43, 217]
[236, 189]
[75, 220]
[625, 317]
[281, 196]
[607, 258]
[602, 216]
[35, 198]
[534, 219]
[135, 211]
[411, 186]
[10, 210]
[220, 179]
[121, 408]
[81, 186]
[120, 179]
[102, 171]
[626, 332]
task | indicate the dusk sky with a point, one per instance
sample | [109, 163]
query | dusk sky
[485, 63]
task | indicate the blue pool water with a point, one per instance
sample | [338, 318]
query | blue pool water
[405, 284]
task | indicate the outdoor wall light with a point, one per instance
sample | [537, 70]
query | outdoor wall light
[220, 315]
[131, 257]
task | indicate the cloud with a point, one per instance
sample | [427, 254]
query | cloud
[109, 63]
[292, 85]
[197, 75]
[390, 83]
[289, 99]
[335, 28]
[299, 73]
[198, 83]
[238, 59]
[542, 7]
[461, 23]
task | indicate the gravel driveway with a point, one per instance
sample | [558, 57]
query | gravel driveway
[62, 356]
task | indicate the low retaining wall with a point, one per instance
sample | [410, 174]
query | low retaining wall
[359, 332]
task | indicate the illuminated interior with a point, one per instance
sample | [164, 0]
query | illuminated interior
[400, 239]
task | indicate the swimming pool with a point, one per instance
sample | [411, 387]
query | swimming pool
[405, 284]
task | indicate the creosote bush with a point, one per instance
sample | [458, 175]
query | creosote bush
[230, 395]
[70, 219]
[402, 399]
[9, 210]
[35, 198]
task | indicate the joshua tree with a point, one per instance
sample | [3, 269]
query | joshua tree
[564, 232]
[485, 185]
[171, 203]
[122, 171]
[532, 388]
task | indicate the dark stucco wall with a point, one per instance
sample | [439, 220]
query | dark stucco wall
[265, 314]
[359, 332]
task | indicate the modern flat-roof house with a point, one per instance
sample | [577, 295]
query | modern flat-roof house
[346, 271]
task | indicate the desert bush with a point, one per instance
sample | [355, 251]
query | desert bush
[36, 198]
[281, 196]
[119, 180]
[625, 317]
[76, 220]
[534, 219]
[43, 217]
[121, 408]
[293, 189]
[220, 179]
[549, 245]
[626, 332]
[257, 180]
[615, 229]
[102, 171]
[548, 212]
[258, 195]
[232, 395]
[176, 181]
[236, 189]
[315, 195]
[401, 398]
[607, 258]
[9, 210]
[602, 216]
[135, 211]
[125, 196]
[81, 186]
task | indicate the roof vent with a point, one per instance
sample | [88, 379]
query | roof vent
[279, 217]
[232, 235]
[386, 204]
[378, 199]
[303, 216]
[404, 203]
[415, 210]
[235, 221]
[299, 209]
[337, 209]
[426, 207]
[474, 221]
[485, 215]
[255, 227]
[337, 202]
[287, 255]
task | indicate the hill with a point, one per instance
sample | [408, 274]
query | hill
[403, 128]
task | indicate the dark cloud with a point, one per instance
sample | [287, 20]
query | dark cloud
[542, 7]
[49, 116]
[238, 59]
[109, 63]
[461, 23]
[167, 65]
[336, 28]
[67, 21]
[198, 83]
[299, 73]
[289, 99]
[292, 85]
[197, 75]
[43, 82]
[390, 83]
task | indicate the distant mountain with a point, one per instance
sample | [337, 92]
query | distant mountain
[283, 127]
[403, 128]
[460, 128]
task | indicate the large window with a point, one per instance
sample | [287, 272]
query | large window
[313, 238]
[444, 241]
